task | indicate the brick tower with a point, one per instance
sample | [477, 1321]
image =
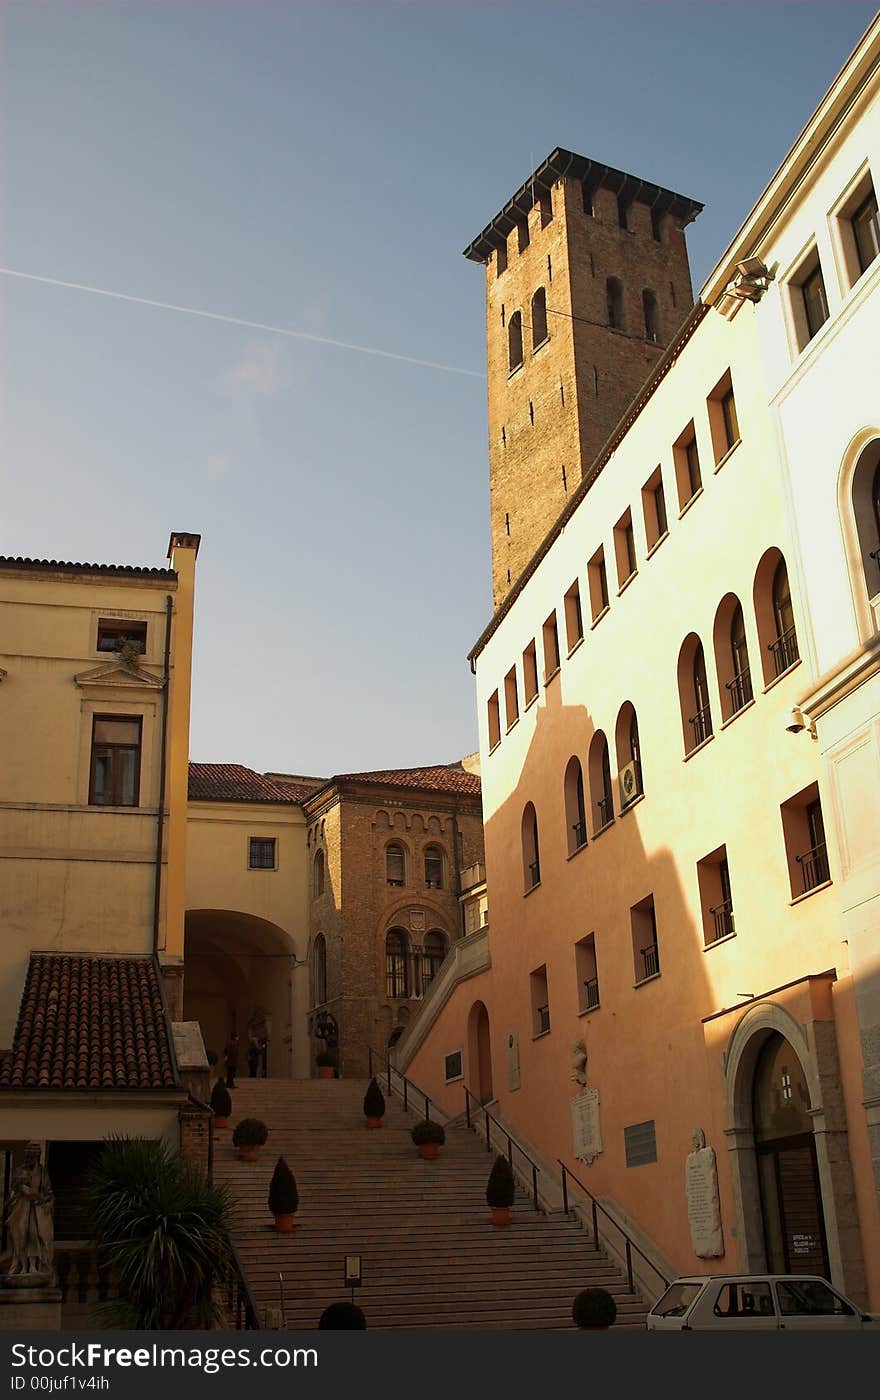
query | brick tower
[587, 280]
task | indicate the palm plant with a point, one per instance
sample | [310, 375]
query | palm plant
[164, 1228]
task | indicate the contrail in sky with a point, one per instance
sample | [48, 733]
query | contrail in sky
[238, 321]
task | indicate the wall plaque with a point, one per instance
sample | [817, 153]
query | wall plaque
[513, 1079]
[703, 1205]
[586, 1127]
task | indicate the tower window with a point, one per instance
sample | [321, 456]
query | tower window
[649, 310]
[622, 210]
[531, 413]
[656, 226]
[545, 204]
[522, 230]
[539, 318]
[514, 342]
[549, 269]
[614, 302]
[501, 258]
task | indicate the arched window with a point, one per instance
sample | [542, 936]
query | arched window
[319, 873]
[514, 342]
[434, 867]
[732, 657]
[575, 809]
[866, 511]
[395, 863]
[539, 317]
[693, 694]
[530, 851]
[649, 309]
[775, 616]
[629, 756]
[614, 300]
[319, 971]
[601, 798]
[396, 963]
[432, 956]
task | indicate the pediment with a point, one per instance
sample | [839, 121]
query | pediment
[120, 677]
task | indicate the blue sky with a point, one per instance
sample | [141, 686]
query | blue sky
[320, 166]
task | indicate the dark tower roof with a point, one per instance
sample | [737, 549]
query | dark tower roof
[594, 175]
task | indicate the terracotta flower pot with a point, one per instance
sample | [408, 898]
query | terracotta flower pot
[248, 1154]
[285, 1224]
[429, 1150]
[501, 1215]
[374, 1122]
[221, 1122]
[325, 1071]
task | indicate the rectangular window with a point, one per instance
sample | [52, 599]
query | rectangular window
[494, 717]
[530, 672]
[598, 581]
[587, 973]
[646, 953]
[114, 779]
[640, 1143]
[723, 421]
[551, 647]
[654, 509]
[540, 1001]
[116, 632]
[625, 548]
[452, 1066]
[866, 231]
[803, 831]
[574, 621]
[261, 853]
[858, 229]
[522, 230]
[815, 300]
[807, 300]
[501, 258]
[716, 900]
[687, 466]
[511, 699]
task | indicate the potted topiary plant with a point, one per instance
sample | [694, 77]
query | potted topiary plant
[593, 1310]
[374, 1105]
[248, 1136]
[428, 1137]
[221, 1103]
[326, 1063]
[283, 1198]
[500, 1189]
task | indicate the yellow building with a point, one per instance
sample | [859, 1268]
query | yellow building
[667, 854]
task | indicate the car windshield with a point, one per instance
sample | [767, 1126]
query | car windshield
[676, 1300]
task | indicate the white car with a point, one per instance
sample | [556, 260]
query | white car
[756, 1302]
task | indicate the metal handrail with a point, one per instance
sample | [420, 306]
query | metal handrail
[722, 915]
[814, 866]
[511, 1143]
[389, 1070]
[784, 650]
[596, 1207]
[239, 1297]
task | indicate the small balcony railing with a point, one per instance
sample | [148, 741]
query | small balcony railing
[534, 874]
[606, 812]
[701, 726]
[740, 690]
[785, 650]
[579, 830]
[591, 991]
[814, 866]
[650, 961]
[722, 920]
[543, 1019]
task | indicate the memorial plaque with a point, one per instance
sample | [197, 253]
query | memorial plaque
[586, 1127]
[513, 1079]
[703, 1206]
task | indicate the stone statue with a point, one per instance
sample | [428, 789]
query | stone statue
[579, 1063]
[703, 1205]
[29, 1221]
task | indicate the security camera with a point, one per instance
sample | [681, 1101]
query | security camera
[797, 722]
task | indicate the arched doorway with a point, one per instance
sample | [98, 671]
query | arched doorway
[480, 1052]
[235, 967]
[788, 1170]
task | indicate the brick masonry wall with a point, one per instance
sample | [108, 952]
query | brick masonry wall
[195, 1134]
[557, 410]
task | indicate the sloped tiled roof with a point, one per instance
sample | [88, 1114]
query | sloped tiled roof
[90, 1022]
[232, 782]
[439, 778]
[62, 566]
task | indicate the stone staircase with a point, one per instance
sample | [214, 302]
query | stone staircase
[431, 1256]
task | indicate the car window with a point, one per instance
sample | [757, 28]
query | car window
[811, 1297]
[744, 1300]
[676, 1300]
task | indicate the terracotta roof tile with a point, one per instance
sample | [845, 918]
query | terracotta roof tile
[90, 1022]
[20, 565]
[437, 778]
[232, 782]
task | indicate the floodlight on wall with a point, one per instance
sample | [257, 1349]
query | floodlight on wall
[749, 283]
[799, 722]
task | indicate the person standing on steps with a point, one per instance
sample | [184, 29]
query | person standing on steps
[230, 1056]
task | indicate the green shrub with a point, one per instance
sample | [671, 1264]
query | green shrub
[500, 1188]
[594, 1308]
[283, 1195]
[221, 1100]
[250, 1132]
[426, 1131]
[374, 1101]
